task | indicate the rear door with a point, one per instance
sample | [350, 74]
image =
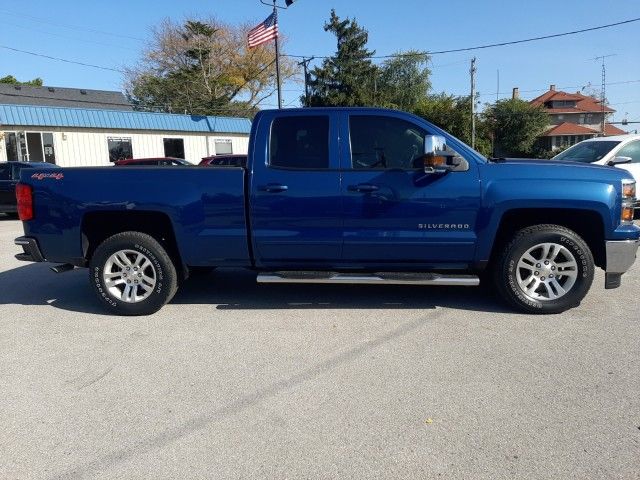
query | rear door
[7, 188]
[295, 203]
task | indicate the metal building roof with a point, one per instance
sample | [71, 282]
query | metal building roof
[36, 116]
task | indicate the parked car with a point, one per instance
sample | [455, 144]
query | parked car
[622, 151]
[9, 176]
[225, 161]
[345, 196]
[152, 162]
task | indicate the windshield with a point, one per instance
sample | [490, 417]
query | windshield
[587, 152]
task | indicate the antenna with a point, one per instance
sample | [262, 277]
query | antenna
[602, 89]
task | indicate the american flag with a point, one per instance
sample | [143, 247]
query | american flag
[267, 30]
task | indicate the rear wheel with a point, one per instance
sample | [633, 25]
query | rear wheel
[133, 274]
[545, 269]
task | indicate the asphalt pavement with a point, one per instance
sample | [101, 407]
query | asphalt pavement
[238, 380]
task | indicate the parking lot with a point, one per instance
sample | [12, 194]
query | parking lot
[237, 380]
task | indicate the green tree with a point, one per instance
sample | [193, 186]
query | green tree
[11, 80]
[516, 125]
[348, 77]
[453, 114]
[404, 81]
[204, 67]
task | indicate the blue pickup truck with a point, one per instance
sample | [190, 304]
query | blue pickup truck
[339, 195]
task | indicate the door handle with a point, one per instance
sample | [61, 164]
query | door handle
[274, 188]
[363, 188]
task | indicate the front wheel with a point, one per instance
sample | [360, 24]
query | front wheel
[132, 274]
[545, 269]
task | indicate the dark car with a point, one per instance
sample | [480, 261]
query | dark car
[152, 162]
[225, 161]
[9, 176]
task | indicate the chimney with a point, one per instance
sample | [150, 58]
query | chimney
[516, 93]
[552, 87]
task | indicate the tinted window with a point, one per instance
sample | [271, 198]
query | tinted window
[119, 148]
[385, 142]
[630, 150]
[174, 147]
[587, 152]
[300, 142]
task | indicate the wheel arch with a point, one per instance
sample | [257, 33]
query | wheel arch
[98, 226]
[586, 223]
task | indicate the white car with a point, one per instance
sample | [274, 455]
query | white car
[622, 151]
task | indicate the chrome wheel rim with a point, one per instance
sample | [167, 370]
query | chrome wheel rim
[547, 271]
[129, 276]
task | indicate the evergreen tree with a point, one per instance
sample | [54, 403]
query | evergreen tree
[348, 77]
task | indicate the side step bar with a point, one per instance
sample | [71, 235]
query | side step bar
[370, 279]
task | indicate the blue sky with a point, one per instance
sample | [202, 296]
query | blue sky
[67, 29]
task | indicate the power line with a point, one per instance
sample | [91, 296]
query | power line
[35, 54]
[490, 45]
[69, 26]
[68, 37]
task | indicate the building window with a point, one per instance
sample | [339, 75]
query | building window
[47, 147]
[224, 146]
[560, 117]
[11, 145]
[174, 147]
[119, 148]
[30, 147]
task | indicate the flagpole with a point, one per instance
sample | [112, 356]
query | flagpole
[275, 13]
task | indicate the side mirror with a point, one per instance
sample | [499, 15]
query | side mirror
[437, 158]
[619, 161]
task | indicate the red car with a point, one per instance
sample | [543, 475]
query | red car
[152, 162]
[225, 161]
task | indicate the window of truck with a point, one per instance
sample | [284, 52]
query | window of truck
[300, 142]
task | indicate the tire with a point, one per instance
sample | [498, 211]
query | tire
[535, 278]
[151, 279]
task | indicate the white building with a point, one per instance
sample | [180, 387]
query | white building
[72, 137]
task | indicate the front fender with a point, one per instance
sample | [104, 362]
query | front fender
[501, 197]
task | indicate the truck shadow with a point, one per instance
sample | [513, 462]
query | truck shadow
[35, 284]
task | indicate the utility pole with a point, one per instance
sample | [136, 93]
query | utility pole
[275, 13]
[498, 85]
[305, 64]
[602, 91]
[472, 71]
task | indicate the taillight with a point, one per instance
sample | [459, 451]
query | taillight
[24, 195]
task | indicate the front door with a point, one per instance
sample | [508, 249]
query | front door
[296, 216]
[34, 146]
[395, 215]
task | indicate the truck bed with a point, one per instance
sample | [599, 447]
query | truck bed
[206, 207]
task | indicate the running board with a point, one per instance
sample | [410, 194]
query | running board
[370, 279]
